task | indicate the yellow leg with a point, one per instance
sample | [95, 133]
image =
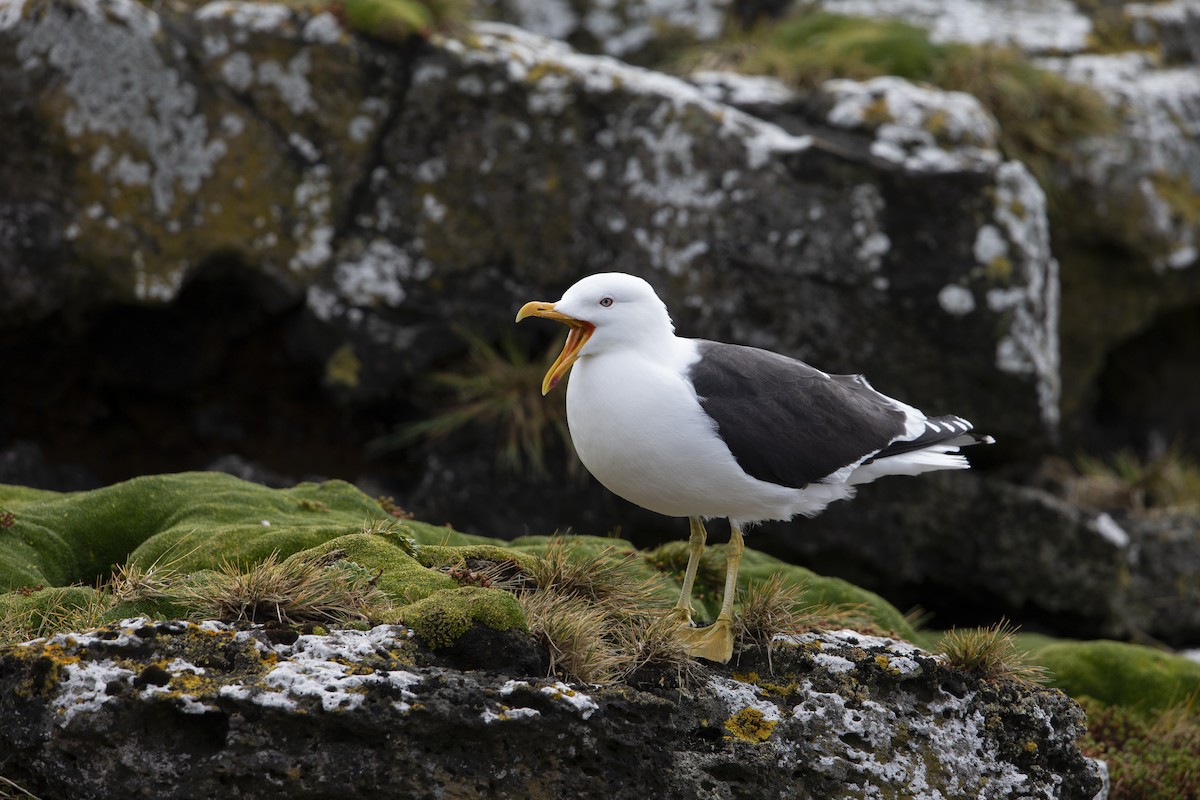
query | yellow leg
[715, 642]
[683, 609]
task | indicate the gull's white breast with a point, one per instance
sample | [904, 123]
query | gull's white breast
[638, 427]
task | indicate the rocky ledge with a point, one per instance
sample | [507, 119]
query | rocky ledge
[176, 709]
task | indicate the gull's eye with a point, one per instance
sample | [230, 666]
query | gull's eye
[606, 301]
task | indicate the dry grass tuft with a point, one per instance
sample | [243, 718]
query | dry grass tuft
[577, 634]
[295, 591]
[775, 607]
[1125, 481]
[608, 577]
[990, 653]
[602, 618]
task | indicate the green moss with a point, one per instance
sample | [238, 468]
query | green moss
[435, 555]
[750, 725]
[188, 520]
[400, 576]
[1117, 673]
[446, 615]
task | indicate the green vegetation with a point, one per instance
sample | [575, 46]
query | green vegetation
[1149, 758]
[396, 20]
[1040, 113]
[1126, 481]
[499, 388]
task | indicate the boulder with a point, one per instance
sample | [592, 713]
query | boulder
[177, 709]
[298, 218]
[971, 549]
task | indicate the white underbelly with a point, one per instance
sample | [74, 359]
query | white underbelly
[639, 429]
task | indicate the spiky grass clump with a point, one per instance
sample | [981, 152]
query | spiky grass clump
[1149, 758]
[776, 607]
[497, 388]
[577, 634]
[295, 591]
[1126, 481]
[609, 577]
[601, 618]
[990, 653]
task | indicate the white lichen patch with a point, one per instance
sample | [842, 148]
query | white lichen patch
[737, 695]
[955, 300]
[946, 750]
[1031, 345]
[10, 13]
[377, 276]
[866, 209]
[321, 667]
[256, 17]
[87, 686]
[120, 86]
[1110, 530]
[313, 229]
[835, 664]
[572, 698]
[924, 129]
[742, 90]
[505, 714]
[1034, 25]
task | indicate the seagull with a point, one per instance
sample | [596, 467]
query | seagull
[701, 429]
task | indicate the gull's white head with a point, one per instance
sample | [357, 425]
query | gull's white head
[606, 311]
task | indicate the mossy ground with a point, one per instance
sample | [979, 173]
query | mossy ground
[184, 527]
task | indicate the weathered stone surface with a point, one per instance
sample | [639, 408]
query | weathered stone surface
[968, 547]
[173, 709]
[322, 208]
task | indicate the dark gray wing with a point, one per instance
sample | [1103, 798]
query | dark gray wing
[786, 422]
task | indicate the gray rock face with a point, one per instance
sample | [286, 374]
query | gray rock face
[179, 710]
[368, 197]
[1042, 558]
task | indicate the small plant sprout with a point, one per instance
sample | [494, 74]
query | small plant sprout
[497, 389]
[990, 653]
[392, 528]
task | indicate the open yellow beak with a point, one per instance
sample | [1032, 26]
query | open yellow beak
[580, 332]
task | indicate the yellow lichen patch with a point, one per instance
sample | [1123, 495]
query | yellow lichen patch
[1000, 268]
[343, 367]
[750, 725]
[766, 688]
[885, 664]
